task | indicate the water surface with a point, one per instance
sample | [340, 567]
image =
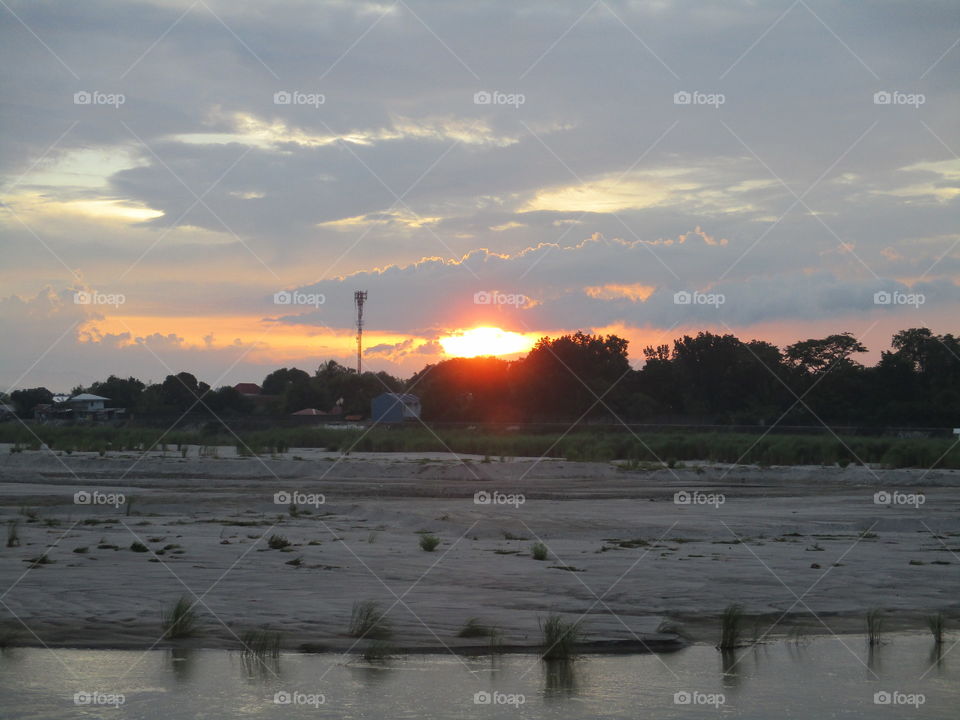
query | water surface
[821, 678]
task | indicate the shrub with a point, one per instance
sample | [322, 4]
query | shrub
[139, 547]
[474, 628]
[539, 551]
[278, 542]
[429, 543]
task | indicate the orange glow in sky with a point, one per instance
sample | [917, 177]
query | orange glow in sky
[485, 341]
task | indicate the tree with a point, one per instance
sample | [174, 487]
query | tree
[228, 399]
[571, 376]
[28, 398]
[817, 356]
[182, 392]
[122, 393]
[278, 381]
[466, 389]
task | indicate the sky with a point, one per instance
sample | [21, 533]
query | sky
[203, 185]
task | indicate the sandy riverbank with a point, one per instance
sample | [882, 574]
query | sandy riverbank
[807, 544]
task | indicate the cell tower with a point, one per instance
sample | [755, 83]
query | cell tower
[359, 297]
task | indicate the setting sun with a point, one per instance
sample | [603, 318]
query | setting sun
[485, 341]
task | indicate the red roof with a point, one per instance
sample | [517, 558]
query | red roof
[247, 388]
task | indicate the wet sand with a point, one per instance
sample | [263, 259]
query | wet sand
[798, 547]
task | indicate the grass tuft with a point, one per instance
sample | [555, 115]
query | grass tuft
[937, 624]
[367, 620]
[560, 637]
[874, 626]
[261, 643]
[731, 627]
[13, 537]
[180, 621]
[539, 551]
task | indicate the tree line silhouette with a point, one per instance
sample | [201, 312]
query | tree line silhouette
[702, 379]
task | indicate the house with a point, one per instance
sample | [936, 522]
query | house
[86, 406]
[248, 389]
[309, 411]
[87, 403]
[394, 407]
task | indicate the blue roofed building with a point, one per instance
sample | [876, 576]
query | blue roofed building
[394, 408]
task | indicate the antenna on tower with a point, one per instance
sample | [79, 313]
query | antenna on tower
[359, 297]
